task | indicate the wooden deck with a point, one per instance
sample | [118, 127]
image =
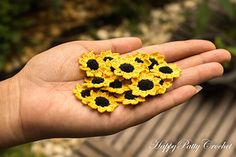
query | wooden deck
[210, 117]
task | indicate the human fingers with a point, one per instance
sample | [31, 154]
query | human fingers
[198, 74]
[174, 51]
[219, 55]
[119, 45]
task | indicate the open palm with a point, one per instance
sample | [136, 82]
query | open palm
[49, 109]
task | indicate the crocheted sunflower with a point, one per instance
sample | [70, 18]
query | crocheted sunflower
[102, 102]
[112, 79]
[145, 85]
[165, 71]
[155, 58]
[97, 82]
[129, 98]
[108, 57]
[82, 93]
[127, 68]
[119, 85]
[92, 64]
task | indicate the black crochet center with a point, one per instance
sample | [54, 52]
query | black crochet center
[154, 62]
[138, 60]
[85, 93]
[166, 70]
[126, 67]
[161, 82]
[112, 69]
[116, 84]
[97, 80]
[107, 58]
[103, 91]
[129, 95]
[145, 84]
[101, 101]
[92, 64]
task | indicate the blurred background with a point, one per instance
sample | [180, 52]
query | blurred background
[28, 27]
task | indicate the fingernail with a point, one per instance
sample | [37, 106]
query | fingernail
[198, 88]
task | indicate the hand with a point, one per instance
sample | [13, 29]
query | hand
[47, 107]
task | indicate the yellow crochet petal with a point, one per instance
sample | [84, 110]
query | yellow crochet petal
[118, 85]
[97, 82]
[127, 68]
[128, 98]
[91, 63]
[145, 85]
[82, 93]
[165, 71]
[102, 102]
[155, 58]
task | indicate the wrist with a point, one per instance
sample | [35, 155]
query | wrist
[11, 131]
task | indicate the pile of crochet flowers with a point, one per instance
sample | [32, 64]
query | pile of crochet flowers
[112, 79]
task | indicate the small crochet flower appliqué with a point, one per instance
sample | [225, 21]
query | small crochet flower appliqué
[112, 80]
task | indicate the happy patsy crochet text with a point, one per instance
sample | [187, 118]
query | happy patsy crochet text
[185, 144]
